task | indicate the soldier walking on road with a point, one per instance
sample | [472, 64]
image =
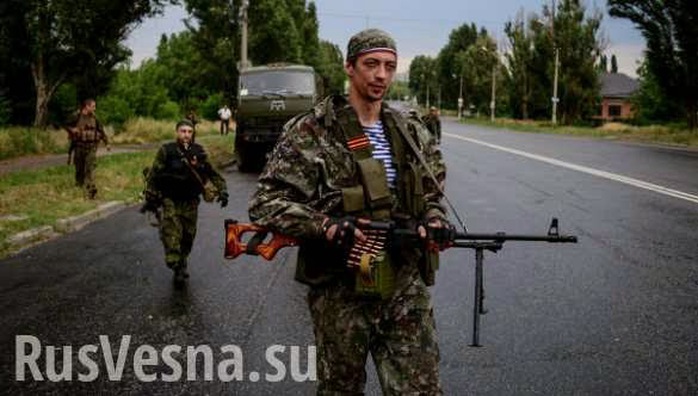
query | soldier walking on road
[180, 174]
[85, 132]
[345, 161]
[433, 123]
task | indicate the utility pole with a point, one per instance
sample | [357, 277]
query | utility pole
[494, 91]
[555, 99]
[493, 101]
[460, 98]
[428, 96]
[243, 35]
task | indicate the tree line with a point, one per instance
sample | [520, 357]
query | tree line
[54, 54]
[523, 63]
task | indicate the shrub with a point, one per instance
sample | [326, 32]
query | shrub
[209, 108]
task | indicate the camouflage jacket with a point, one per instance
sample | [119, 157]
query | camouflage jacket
[170, 177]
[311, 164]
[302, 181]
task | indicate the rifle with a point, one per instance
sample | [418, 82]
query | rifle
[260, 244]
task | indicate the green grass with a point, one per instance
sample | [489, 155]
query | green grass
[46, 195]
[22, 141]
[647, 134]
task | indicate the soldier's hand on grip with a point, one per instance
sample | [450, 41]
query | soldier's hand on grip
[341, 231]
[439, 231]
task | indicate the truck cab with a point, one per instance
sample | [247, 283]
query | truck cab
[269, 96]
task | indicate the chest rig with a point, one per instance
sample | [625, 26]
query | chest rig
[87, 131]
[372, 197]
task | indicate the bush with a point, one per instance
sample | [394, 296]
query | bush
[19, 141]
[168, 111]
[209, 108]
[144, 130]
[114, 111]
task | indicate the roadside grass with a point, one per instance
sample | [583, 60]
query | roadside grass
[41, 197]
[645, 134]
[147, 130]
[23, 141]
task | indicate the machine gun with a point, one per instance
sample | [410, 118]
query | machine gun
[260, 244]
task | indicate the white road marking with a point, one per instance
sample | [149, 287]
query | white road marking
[584, 169]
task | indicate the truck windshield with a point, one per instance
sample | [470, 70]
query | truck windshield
[277, 82]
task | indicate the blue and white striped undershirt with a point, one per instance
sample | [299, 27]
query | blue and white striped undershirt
[381, 150]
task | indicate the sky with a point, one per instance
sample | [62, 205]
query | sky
[419, 27]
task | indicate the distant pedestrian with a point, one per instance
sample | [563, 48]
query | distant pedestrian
[224, 114]
[85, 132]
[180, 174]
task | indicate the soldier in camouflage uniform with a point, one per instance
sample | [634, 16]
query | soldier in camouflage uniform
[85, 132]
[320, 178]
[433, 123]
[174, 184]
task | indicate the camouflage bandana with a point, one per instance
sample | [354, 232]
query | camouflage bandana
[370, 40]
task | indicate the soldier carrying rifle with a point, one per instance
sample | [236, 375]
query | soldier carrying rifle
[85, 132]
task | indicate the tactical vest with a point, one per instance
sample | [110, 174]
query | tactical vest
[87, 130]
[176, 180]
[370, 196]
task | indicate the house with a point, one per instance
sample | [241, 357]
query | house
[616, 91]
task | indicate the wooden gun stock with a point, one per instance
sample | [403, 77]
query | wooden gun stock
[256, 246]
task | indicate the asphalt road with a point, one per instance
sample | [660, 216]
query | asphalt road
[615, 314]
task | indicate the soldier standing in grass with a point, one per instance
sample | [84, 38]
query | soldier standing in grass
[85, 132]
[180, 174]
[356, 158]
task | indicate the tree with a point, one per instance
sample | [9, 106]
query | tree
[330, 68]
[310, 36]
[274, 34]
[575, 37]
[447, 66]
[614, 64]
[211, 51]
[670, 28]
[519, 59]
[15, 70]
[421, 76]
[650, 100]
[603, 64]
[80, 40]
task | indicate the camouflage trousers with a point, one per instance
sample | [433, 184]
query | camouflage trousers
[399, 332]
[85, 159]
[178, 230]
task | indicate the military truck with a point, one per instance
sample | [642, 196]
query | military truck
[269, 96]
